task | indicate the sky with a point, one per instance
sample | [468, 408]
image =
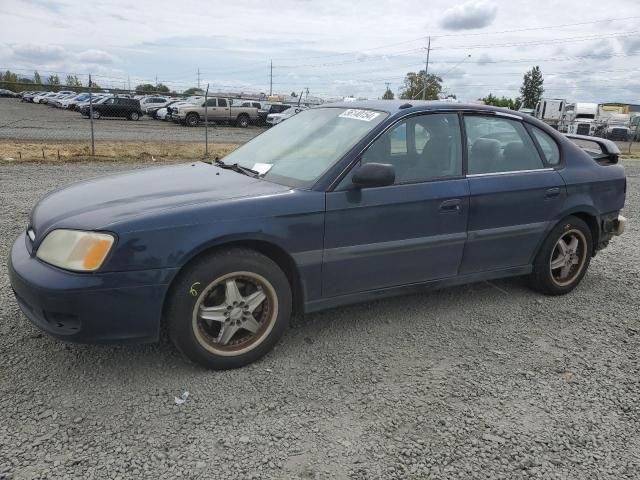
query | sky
[588, 50]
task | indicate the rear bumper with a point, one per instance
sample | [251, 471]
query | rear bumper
[88, 308]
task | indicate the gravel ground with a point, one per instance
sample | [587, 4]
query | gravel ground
[34, 122]
[481, 381]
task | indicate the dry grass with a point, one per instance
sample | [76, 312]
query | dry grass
[65, 152]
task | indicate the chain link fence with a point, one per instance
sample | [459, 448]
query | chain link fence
[81, 123]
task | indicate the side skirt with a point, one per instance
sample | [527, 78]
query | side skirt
[371, 295]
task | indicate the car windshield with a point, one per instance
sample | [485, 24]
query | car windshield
[298, 151]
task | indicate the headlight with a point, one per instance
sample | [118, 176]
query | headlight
[75, 250]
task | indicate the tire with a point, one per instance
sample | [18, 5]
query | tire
[571, 267]
[133, 116]
[192, 120]
[96, 115]
[207, 283]
[242, 121]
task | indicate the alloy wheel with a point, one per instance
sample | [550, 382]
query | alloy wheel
[235, 313]
[568, 257]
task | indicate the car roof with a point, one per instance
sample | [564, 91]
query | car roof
[405, 106]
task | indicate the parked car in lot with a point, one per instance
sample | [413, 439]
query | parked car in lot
[345, 203]
[218, 110]
[276, 118]
[128, 108]
[72, 102]
[29, 96]
[45, 100]
[83, 107]
[162, 113]
[154, 102]
[7, 93]
[268, 108]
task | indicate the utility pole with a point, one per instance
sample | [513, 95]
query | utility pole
[156, 81]
[129, 82]
[271, 78]
[198, 78]
[426, 71]
[307, 95]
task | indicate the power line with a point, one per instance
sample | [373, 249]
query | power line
[447, 35]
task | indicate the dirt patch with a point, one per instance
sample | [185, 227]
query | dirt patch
[34, 151]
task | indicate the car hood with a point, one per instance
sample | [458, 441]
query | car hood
[98, 203]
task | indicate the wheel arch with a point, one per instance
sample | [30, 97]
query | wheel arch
[269, 249]
[587, 214]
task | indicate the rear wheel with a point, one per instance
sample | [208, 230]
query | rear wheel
[242, 121]
[564, 258]
[192, 120]
[229, 309]
[134, 116]
[96, 114]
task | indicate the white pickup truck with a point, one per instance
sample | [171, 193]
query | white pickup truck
[218, 109]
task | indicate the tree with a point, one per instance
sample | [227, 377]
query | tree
[73, 81]
[37, 80]
[294, 94]
[532, 87]
[9, 80]
[501, 102]
[193, 91]
[54, 82]
[388, 95]
[149, 88]
[416, 83]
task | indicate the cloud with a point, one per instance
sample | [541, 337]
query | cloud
[630, 45]
[39, 52]
[484, 59]
[600, 49]
[96, 56]
[470, 15]
[52, 7]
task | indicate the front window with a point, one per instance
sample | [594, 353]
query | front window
[297, 152]
[421, 148]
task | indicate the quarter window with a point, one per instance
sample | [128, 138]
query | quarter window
[421, 148]
[499, 145]
[548, 146]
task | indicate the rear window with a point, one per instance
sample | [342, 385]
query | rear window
[548, 146]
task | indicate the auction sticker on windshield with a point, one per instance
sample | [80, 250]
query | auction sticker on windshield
[356, 114]
[262, 168]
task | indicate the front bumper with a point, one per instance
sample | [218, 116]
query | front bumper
[88, 308]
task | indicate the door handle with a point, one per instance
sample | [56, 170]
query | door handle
[449, 206]
[552, 192]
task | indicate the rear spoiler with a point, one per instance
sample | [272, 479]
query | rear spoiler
[604, 150]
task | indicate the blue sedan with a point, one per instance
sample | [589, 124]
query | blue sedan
[339, 204]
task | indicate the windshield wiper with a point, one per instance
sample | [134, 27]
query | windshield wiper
[237, 168]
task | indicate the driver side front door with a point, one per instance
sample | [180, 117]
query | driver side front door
[410, 232]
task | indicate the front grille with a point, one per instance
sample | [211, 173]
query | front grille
[583, 129]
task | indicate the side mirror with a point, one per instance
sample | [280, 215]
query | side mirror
[374, 175]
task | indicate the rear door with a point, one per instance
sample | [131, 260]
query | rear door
[515, 193]
[409, 232]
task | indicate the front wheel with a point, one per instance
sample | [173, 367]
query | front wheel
[229, 308]
[564, 258]
[96, 115]
[192, 120]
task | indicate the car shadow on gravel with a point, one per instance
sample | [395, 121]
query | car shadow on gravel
[136, 361]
